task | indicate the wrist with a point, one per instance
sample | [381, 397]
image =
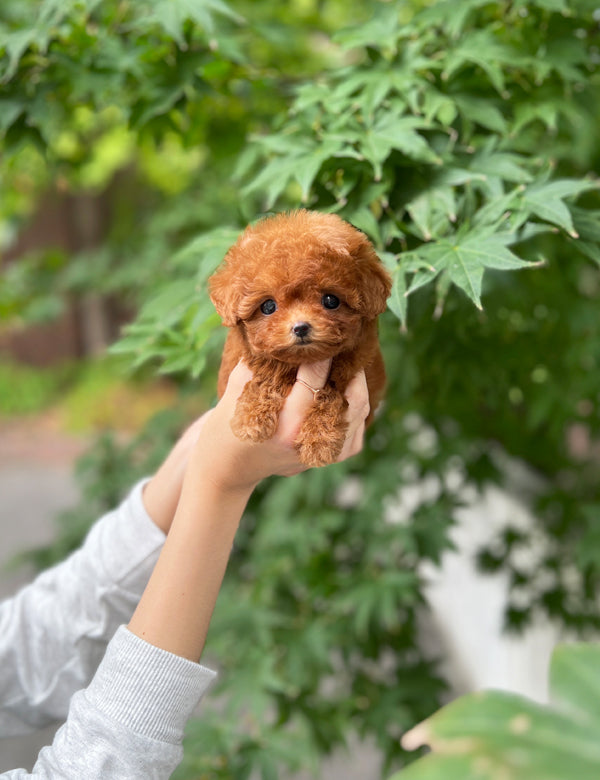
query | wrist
[219, 485]
[231, 467]
[161, 493]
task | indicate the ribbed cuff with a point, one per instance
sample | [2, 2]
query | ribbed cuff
[147, 689]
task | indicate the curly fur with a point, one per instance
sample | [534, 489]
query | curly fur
[294, 260]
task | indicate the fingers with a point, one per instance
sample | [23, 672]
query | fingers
[353, 444]
[314, 374]
[357, 395]
[310, 378]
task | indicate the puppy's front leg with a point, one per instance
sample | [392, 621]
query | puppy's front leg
[323, 432]
[257, 412]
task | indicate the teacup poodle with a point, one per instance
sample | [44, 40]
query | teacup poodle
[299, 288]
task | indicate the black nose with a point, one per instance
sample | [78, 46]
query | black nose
[301, 329]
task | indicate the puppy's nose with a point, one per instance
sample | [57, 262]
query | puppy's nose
[301, 329]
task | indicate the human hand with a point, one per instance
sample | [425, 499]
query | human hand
[224, 456]
[234, 464]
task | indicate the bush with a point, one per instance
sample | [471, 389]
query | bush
[25, 390]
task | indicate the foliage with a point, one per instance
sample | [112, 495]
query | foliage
[87, 397]
[441, 144]
[24, 390]
[461, 138]
[142, 105]
[461, 142]
[102, 395]
[114, 54]
[494, 734]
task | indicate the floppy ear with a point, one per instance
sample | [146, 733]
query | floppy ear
[228, 286]
[224, 293]
[375, 282]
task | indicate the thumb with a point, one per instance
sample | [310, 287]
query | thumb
[238, 378]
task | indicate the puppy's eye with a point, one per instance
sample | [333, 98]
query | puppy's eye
[268, 306]
[330, 301]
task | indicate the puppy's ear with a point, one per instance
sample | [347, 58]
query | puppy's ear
[224, 294]
[375, 284]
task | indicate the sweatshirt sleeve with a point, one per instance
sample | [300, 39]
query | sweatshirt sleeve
[129, 722]
[54, 632]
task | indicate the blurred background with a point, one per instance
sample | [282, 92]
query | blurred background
[137, 138]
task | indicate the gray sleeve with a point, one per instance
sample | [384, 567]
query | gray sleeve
[129, 723]
[54, 632]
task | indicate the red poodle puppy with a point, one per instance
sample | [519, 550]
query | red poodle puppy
[300, 288]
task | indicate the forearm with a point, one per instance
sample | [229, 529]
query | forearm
[175, 610]
[162, 492]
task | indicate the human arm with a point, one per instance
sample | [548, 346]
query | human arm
[54, 632]
[222, 471]
[129, 721]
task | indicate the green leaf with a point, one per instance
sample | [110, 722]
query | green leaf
[484, 112]
[272, 180]
[508, 732]
[16, 43]
[166, 307]
[546, 112]
[369, 87]
[483, 49]
[587, 227]
[495, 734]
[547, 201]
[397, 302]
[380, 30]
[172, 14]
[497, 210]
[203, 253]
[465, 261]
[364, 219]
[560, 6]
[451, 16]
[589, 250]
[443, 767]
[587, 223]
[10, 111]
[440, 106]
[575, 681]
[308, 165]
[509, 167]
[396, 132]
[433, 211]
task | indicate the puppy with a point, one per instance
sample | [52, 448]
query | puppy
[299, 288]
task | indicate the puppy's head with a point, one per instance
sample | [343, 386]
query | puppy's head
[300, 285]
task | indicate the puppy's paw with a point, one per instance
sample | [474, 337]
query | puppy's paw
[256, 414]
[249, 426]
[323, 432]
[315, 452]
